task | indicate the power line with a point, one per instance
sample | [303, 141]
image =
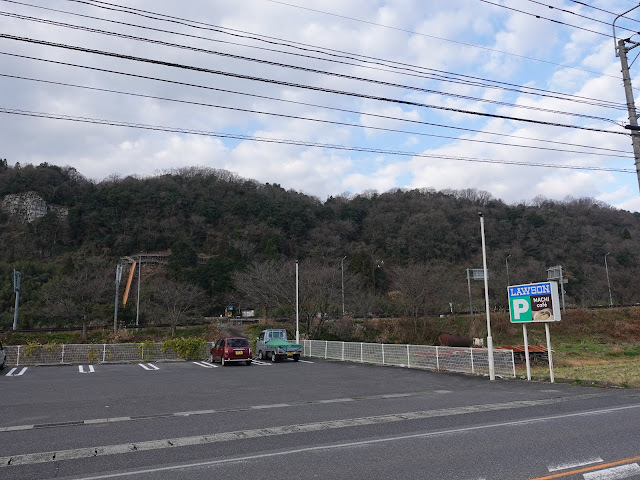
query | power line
[300, 143]
[296, 85]
[297, 67]
[406, 69]
[337, 109]
[297, 117]
[432, 36]
[545, 18]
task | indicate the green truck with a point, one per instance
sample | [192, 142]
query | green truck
[273, 344]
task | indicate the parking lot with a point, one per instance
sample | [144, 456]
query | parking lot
[149, 419]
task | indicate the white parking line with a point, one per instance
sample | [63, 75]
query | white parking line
[305, 361]
[258, 362]
[11, 372]
[148, 366]
[574, 464]
[205, 364]
[615, 473]
[81, 369]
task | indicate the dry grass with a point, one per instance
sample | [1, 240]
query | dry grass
[624, 373]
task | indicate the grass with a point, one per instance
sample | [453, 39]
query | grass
[623, 373]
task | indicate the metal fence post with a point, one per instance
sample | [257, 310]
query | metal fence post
[326, 347]
[104, 352]
[343, 351]
[408, 360]
[18, 357]
[62, 357]
[472, 367]
[361, 357]
[437, 359]
[513, 363]
[383, 353]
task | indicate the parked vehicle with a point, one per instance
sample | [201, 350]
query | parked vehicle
[3, 356]
[273, 344]
[231, 349]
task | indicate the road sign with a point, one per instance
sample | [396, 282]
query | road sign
[534, 303]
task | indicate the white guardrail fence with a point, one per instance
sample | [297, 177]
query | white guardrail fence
[55, 354]
[451, 359]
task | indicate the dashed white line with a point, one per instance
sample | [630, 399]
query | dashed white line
[275, 405]
[614, 473]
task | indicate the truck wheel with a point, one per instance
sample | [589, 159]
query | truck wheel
[274, 357]
[296, 358]
[260, 355]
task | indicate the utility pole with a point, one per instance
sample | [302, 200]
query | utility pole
[342, 268]
[115, 312]
[16, 289]
[138, 299]
[621, 51]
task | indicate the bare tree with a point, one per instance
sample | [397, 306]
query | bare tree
[75, 296]
[268, 285]
[177, 300]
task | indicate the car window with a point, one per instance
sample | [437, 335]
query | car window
[219, 344]
[276, 334]
[237, 342]
[261, 336]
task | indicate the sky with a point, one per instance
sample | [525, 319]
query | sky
[328, 97]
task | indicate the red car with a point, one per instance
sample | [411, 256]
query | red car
[232, 349]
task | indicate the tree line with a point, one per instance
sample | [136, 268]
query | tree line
[234, 241]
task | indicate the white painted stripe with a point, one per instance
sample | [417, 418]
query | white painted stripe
[16, 428]
[305, 361]
[615, 473]
[10, 372]
[91, 370]
[574, 464]
[275, 405]
[106, 420]
[144, 366]
[195, 412]
[81, 369]
[202, 364]
[337, 400]
[101, 451]
[442, 391]
[210, 364]
[396, 395]
[258, 362]
[21, 372]
[153, 366]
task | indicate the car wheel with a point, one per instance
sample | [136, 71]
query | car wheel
[2, 366]
[260, 355]
[211, 358]
[222, 361]
[296, 358]
[274, 357]
[248, 362]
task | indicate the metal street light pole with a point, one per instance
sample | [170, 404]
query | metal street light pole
[138, 299]
[492, 373]
[506, 261]
[342, 269]
[297, 309]
[115, 310]
[606, 266]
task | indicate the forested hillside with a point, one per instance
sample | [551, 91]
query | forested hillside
[234, 241]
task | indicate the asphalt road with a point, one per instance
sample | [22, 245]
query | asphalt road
[310, 419]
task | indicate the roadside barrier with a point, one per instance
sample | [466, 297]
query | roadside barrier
[450, 359]
[56, 354]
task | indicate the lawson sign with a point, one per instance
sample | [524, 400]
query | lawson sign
[534, 302]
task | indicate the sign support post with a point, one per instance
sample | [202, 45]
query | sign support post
[546, 328]
[526, 350]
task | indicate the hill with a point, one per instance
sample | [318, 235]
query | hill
[237, 226]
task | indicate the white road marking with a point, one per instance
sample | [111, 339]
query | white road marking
[11, 372]
[148, 366]
[205, 365]
[81, 369]
[442, 391]
[107, 420]
[305, 361]
[574, 464]
[195, 412]
[615, 473]
[101, 451]
[275, 405]
[258, 362]
[337, 400]
[209, 363]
